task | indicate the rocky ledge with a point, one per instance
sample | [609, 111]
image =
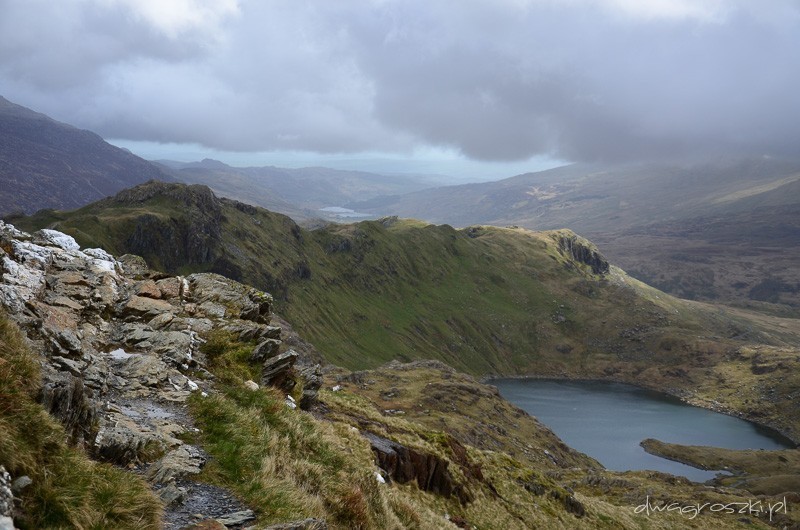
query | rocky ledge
[120, 353]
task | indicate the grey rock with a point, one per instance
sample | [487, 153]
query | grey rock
[20, 483]
[312, 381]
[265, 349]
[133, 265]
[68, 365]
[121, 441]
[65, 397]
[6, 523]
[178, 463]
[172, 494]
[237, 518]
[277, 371]
[53, 238]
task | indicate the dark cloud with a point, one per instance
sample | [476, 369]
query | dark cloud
[496, 80]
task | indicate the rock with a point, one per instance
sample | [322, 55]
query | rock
[237, 518]
[68, 365]
[20, 483]
[133, 265]
[172, 494]
[277, 371]
[304, 524]
[65, 397]
[582, 251]
[121, 441]
[140, 306]
[170, 288]
[178, 463]
[148, 289]
[312, 381]
[53, 238]
[6, 495]
[243, 302]
[404, 464]
[265, 349]
[251, 385]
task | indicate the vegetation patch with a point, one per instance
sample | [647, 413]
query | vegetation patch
[68, 489]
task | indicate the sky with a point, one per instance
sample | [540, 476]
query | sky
[470, 88]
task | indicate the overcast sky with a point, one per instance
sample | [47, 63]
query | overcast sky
[488, 86]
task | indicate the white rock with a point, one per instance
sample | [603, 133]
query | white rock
[192, 385]
[337, 388]
[380, 478]
[98, 253]
[251, 385]
[60, 239]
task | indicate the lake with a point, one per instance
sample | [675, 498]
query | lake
[608, 420]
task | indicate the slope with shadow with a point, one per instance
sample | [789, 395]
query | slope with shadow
[483, 299]
[48, 164]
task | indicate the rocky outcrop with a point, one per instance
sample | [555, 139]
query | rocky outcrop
[120, 347]
[404, 464]
[581, 250]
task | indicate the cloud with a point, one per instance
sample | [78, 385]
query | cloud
[495, 80]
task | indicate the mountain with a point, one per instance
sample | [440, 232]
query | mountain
[300, 193]
[48, 164]
[130, 401]
[722, 230]
[482, 299]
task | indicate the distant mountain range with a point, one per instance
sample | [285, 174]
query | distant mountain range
[727, 229]
[48, 164]
[301, 193]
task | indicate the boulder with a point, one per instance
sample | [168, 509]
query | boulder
[277, 371]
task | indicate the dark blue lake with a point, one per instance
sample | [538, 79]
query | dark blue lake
[608, 420]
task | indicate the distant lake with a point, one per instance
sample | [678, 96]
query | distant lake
[608, 420]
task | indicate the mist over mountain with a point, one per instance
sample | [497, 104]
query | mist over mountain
[298, 192]
[48, 164]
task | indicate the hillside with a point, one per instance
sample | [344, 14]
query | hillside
[48, 164]
[484, 300]
[130, 402]
[710, 231]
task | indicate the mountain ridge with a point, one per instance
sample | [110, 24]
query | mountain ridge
[483, 299]
[48, 164]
